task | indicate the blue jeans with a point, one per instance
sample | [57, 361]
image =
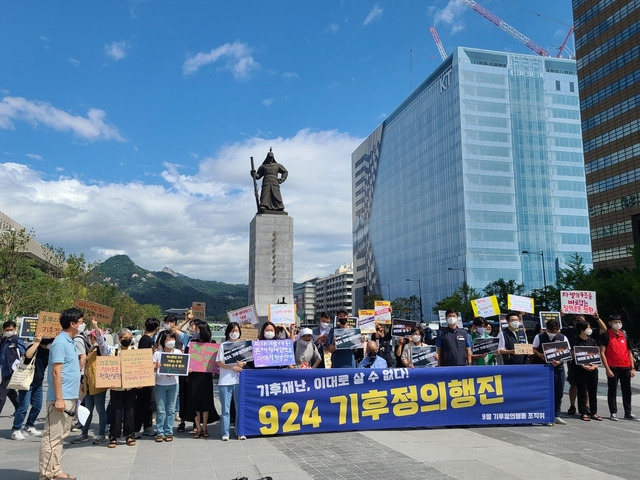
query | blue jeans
[32, 397]
[166, 396]
[225, 392]
[98, 401]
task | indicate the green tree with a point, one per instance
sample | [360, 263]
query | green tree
[369, 300]
[501, 288]
[457, 301]
[408, 308]
[575, 275]
[13, 266]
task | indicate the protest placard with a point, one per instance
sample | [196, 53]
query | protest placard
[423, 356]
[556, 351]
[198, 310]
[101, 313]
[578, 301]
[203, 357]
[244, 315]
[546, 316]
[402, 327]
[347, 338]
[282, 313]
[518, 303]
[482, 346]
[234, 352]
[137, 368]
[485, 307]
[28, 326]
[367, 321]
[587, 355]
[48, 324]
[273, 353]
[523, 349]
[174, 364]
[382, 311]
[442, 317]
[249, 332]
[108, 374]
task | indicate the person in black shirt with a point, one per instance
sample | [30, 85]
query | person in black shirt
[145, 401]
[586, 376]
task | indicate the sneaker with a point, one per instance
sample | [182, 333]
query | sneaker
[630, 416]
[225, 438]
[32, 431]
[560, 421]
[571, 411]
[80, 439]
[99, 439]
[149, 432]
[17, 435]
[76, 427]
[613, 417]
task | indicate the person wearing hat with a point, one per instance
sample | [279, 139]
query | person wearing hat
[305, 351]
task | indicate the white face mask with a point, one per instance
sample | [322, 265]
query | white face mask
[269, 334]
[452, 320]
[416, 338]
[304, 343]
[324, 325]
[234, 335]
[170, 344]
[588, 331]
[616, 326]
[9, 333]
[551, 335]
[81, 327]
[480, 331]
[514, 325]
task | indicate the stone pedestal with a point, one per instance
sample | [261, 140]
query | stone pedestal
[270, 261]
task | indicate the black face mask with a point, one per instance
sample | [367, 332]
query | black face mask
[342, 321]
[373, 355]
[126, 342]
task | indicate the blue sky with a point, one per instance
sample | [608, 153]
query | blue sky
[127, 126]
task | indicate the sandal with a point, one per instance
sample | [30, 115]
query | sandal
[112, 443]
[597, 417]
[181, 427]
[159, 439]
[196, 433]
[205, 432]
[168, 438]
[585, 417]
[131, 441]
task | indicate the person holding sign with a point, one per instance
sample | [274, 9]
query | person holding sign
[416, 340]
[586, 376]
[453, 344]
[229, 381]
[305, 351]
[200, 405]
[342, 358]
[617, 358]
[479, 330]
[11, 349]
[552, 334]
[64, 387]
[508, 337]
[166, 389]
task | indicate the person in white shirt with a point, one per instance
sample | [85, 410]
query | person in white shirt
[166, 388]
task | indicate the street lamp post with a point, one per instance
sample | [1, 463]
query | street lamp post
[388, 285]
[420, 298]
[466, 285]
[544, 273]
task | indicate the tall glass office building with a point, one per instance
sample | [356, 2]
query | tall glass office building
[482, 162]
[608, 58]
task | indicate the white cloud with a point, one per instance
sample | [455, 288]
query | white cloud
[92, 127]
[236, 56]
[374, 15]
[74, 62]
[33, 156]
[290, 76]
[117, 50]
[197, 223]
[450, 15]
[267, 102]
[332, 28]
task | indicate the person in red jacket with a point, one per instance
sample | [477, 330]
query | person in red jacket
[617, 359]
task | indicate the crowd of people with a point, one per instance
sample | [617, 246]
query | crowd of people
[70, 361]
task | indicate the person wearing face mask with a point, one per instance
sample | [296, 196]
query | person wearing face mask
[63, 379]
[122, 399]
[229, 382]
[586, 376]
[145, 398]
[305, 351]
[453, 344]
[342, 358]
[11, 349]
[372, 359]
[382, 337]
[166, 390]
[321, 335]
[508, 337]
[617, 358]
[552, 334]
[414, 341]
[268, 332]
[479, 330]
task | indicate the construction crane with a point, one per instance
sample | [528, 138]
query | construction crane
[436, 39]
[565, 42]
[506, 27]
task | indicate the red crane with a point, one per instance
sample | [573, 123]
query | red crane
[436, 39]
[506, 27]
[565, 42]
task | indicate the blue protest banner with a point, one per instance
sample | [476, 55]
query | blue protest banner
[311, 401]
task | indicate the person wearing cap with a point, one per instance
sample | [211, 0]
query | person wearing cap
[305, 351]
[372, 359]
[94, 397]
[617, 358]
